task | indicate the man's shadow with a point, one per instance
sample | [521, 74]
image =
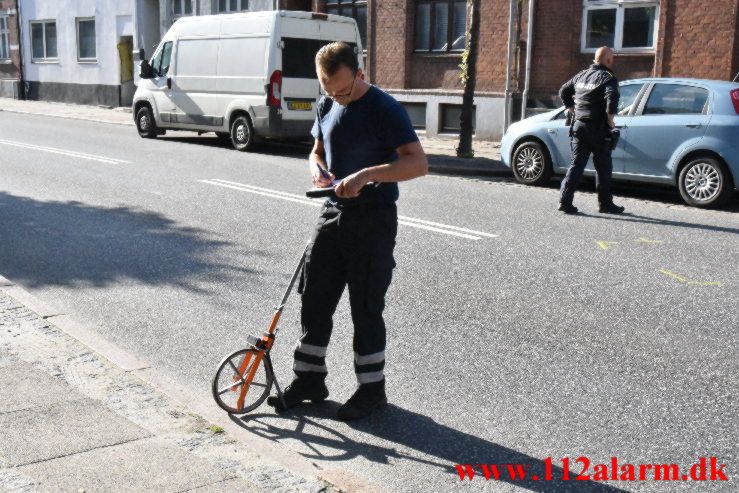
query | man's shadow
[418, 432]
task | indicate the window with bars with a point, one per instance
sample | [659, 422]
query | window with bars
[225, 6]
[441, 25]
[4, 38]
[357, 9]
[43, 41]
[624, 25]
[86, 48]
[182, 8]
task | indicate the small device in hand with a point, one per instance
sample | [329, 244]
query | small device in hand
[612, 138]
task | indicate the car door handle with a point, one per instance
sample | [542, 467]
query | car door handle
[620, 126]
[169, 82]
[552, 130]
[693, 125]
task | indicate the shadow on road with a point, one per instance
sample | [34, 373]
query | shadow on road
[272, 148]
[71, 243]
[410, 430]
[634, 218]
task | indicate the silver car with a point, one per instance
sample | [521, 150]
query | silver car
[682, 132]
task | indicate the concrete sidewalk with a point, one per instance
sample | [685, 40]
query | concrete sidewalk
[441, 151]
[73, 421]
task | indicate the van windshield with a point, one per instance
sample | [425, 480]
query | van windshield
[298, 57]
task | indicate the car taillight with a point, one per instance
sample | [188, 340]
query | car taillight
[735, 100]
[274, 95]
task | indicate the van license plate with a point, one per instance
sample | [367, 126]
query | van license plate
[299, 105]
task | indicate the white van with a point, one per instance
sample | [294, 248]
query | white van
[243, 76]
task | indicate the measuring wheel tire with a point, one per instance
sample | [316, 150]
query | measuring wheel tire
[242, 134]
[705, 182]
[531, 164]
[145, 123]
[227, 384]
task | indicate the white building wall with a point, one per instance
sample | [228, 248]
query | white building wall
[113, 18]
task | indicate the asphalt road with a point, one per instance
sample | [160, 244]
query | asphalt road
[515, 333]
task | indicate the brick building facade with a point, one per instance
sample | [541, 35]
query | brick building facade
[10, 55]
[662, 38]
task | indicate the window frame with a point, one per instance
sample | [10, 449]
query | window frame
[620, 7]
[77, 21]
[432, 23]
[243, 7]
[354, 5]
[193, 7]
[45, 58]
[5, 34]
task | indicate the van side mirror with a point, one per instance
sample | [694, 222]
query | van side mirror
[146, 71]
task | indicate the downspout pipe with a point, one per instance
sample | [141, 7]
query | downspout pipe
[509, 68]
[21, 78]
[529, 50]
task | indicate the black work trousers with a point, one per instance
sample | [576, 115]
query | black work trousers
[589, 137]
[351, 246]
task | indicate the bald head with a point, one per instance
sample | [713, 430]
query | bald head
[604, 56]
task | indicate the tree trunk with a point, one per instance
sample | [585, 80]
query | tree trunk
[468, 76]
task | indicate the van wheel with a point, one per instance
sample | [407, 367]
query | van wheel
[145, 123]
[705, 182]
[242, 134]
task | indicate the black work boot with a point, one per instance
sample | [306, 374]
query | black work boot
[611, 209]
[367, 398]
[568, 208]
[303, 388]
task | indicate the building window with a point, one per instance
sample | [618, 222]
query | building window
[233, 5]
[4, 40]
[43, 41]
[86, 49]
[441, 25]
[182, 7]
[356, 9]
[417, 114]
[450, 115]
[624, 25]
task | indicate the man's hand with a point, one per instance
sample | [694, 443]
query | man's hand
[571, 109]
[351, 185]
[319, 180]
[611, 124]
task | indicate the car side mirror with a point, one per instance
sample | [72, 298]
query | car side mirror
[146, 70]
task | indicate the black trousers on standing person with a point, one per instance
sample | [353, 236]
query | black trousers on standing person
[589, 137]
[351, 246]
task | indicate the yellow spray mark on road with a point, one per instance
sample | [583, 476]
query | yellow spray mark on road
[687, 281]
[644, 240]
[606, 245]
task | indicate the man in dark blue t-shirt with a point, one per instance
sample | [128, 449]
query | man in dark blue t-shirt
[362, 135]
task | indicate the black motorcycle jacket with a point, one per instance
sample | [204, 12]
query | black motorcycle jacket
[595, 92]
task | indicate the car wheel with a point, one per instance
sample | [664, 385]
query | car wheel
[705, 182]
[242, 134]
[531, 164]
[145, 123]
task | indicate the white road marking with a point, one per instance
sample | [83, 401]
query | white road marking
[469, 234]
[65, 152]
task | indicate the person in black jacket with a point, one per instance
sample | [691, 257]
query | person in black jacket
[595, 92]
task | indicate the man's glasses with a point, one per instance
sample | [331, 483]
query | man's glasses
[339, 96]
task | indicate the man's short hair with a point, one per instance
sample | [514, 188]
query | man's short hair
[332, 56]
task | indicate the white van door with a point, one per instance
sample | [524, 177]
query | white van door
[161, 92]
[194, 83]
[301, 40]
